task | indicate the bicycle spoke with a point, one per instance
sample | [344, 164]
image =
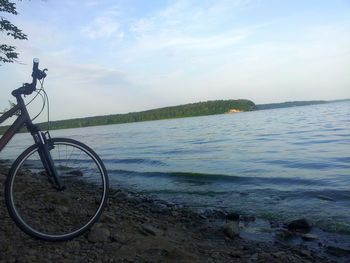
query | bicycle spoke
[42, 208]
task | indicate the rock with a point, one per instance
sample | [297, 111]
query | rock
[309, 237]
[174, 213]
[74, 244]
[147, 230]
[254, 257]
[178, 254]
[337, 251]
[299, 225]
[236, 254]
[99, 234]
[216, 214]
[202, 216]
[232, 217]
[275, 224]
[279, 254]
[32, 252]
[305, 253]
[158, 208]
[108, 218]
[120, 195]
[231, 229]
[284, 233]
[248, 218]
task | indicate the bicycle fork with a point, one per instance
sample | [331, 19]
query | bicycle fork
[44, 143]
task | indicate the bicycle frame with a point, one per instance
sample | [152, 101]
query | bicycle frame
[39, 137]
[22, 120]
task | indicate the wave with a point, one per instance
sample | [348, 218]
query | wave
[312, 142]
[223, 178]
[135, 161]
[297, 164]
[206, 141]
[317, 200]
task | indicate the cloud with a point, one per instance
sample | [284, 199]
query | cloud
[186, 29]
[194, 43]
[142, 26]
[90, 76]
[104, 25]
[91, 3]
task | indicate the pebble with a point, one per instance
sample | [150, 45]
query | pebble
[147, 230]
[248, 218]
[232, 217]
[284, 233]
[337, 251]
[278, 254]
[202, 216]
[309, 237]
[99, 234]
[305, 253]
[299, 225]
[108, 218]
[231, 229]
[254, 257]
[120, 195]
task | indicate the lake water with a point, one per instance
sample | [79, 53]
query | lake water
[281, 163]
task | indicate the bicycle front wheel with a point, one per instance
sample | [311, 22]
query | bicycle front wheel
[44, 212]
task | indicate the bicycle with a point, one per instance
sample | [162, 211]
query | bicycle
[57, 188]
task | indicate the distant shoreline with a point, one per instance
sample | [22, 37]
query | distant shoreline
[289, 104]
[206, 108]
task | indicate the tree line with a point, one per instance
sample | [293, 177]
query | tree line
[181, 111]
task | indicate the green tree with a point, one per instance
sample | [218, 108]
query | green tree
[8, 53]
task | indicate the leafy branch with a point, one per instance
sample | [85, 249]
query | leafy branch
[8, 53]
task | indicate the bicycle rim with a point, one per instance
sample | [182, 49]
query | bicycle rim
[44, 212]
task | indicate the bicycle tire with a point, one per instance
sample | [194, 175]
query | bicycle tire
[46, 213]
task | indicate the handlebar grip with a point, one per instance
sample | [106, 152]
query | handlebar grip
[35, 64]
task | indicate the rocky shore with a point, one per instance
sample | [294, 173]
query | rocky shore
[136, 228]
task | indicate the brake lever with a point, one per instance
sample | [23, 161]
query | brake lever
[41, 74]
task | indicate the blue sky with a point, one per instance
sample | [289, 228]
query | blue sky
[120, 56]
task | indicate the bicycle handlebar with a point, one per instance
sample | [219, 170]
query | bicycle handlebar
[35, 64]
[27, 88]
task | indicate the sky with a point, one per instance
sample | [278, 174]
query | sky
[119, 56]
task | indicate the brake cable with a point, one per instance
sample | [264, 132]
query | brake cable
[45, 99]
